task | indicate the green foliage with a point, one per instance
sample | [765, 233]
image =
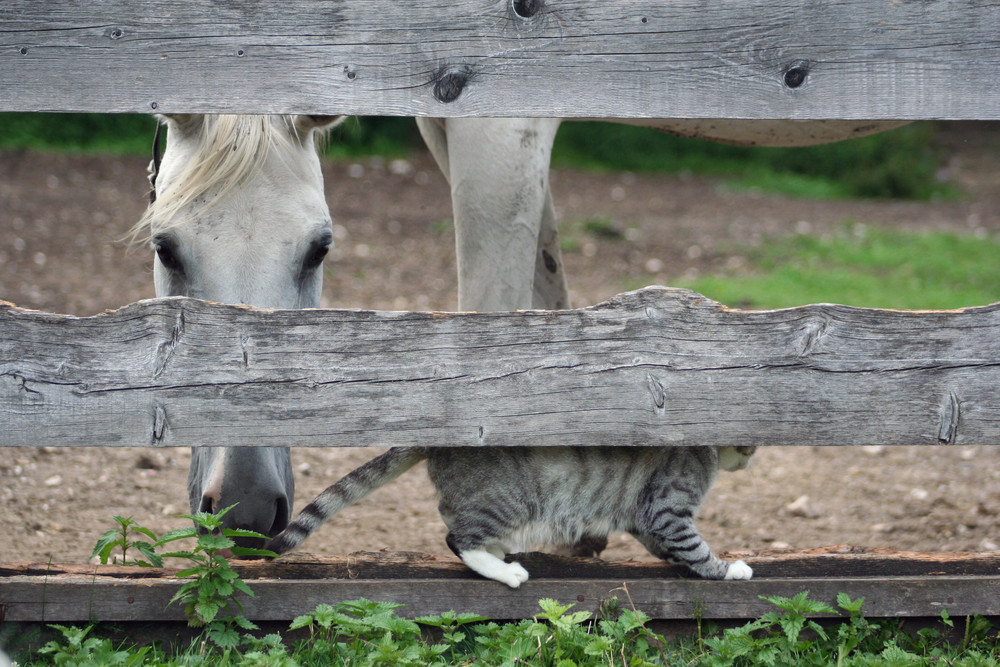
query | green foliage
[121, 537]
[450, 625]
[363, 632]
[210, 597]
[373, 135]
[793, 637]
[900, 163]
[116, 134]
[559, 638]
[861, 266]
[119, 134]
[78, 650]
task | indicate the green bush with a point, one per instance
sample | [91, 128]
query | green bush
[899, 163]
[78, 132]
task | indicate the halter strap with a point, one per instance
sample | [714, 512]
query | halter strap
[157, 158]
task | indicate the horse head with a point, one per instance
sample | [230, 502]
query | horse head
[238, 215]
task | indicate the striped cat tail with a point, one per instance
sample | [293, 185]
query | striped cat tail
[351, 488]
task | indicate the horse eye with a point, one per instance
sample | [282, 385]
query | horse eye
[168, 256]
[316, 254]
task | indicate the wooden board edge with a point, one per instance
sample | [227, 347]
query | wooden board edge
[82, 599]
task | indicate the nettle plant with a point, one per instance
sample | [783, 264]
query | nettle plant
[121, 537]
[210, 597]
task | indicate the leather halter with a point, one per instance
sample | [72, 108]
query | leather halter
[157, 158]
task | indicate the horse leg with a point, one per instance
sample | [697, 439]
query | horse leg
[498, 169]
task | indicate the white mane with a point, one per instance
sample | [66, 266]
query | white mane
[230, 150]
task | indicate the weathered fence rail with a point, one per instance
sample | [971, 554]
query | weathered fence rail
[894, 584]
[765, 59]
[653, 367]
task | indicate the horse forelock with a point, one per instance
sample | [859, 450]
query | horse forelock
[230, 150]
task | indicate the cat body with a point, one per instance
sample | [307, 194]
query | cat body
[496, 501]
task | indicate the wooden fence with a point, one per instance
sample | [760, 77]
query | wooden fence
[653, 367]
[649, 368]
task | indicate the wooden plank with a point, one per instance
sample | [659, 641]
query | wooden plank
[763, 59]
[79, 597]
[649, 368]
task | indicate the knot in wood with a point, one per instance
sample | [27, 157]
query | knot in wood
[449, 86]
[525, 9]
[657, 391]
[159, 423]
[796, 73]
[950, 418]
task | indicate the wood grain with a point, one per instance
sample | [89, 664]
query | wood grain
[650, 368]
[760, 59]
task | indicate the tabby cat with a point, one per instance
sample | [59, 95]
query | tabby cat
[496, 501]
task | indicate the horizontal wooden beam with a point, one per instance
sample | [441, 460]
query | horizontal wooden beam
[760, 59]
[654, 367]
[893, 585]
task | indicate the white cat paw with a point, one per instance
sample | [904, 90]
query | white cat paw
[512, 574]
[515, 575]
[739, 570]
[491, 567]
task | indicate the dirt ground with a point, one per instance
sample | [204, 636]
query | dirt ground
[62, 218]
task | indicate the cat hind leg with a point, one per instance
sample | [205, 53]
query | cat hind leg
[588, 546]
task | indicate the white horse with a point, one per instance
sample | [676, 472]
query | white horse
[240, 217]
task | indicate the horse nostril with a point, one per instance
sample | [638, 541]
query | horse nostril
[281, 516]
[207, 504]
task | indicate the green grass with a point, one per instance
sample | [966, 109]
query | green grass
[901, 163]
[862, 266]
